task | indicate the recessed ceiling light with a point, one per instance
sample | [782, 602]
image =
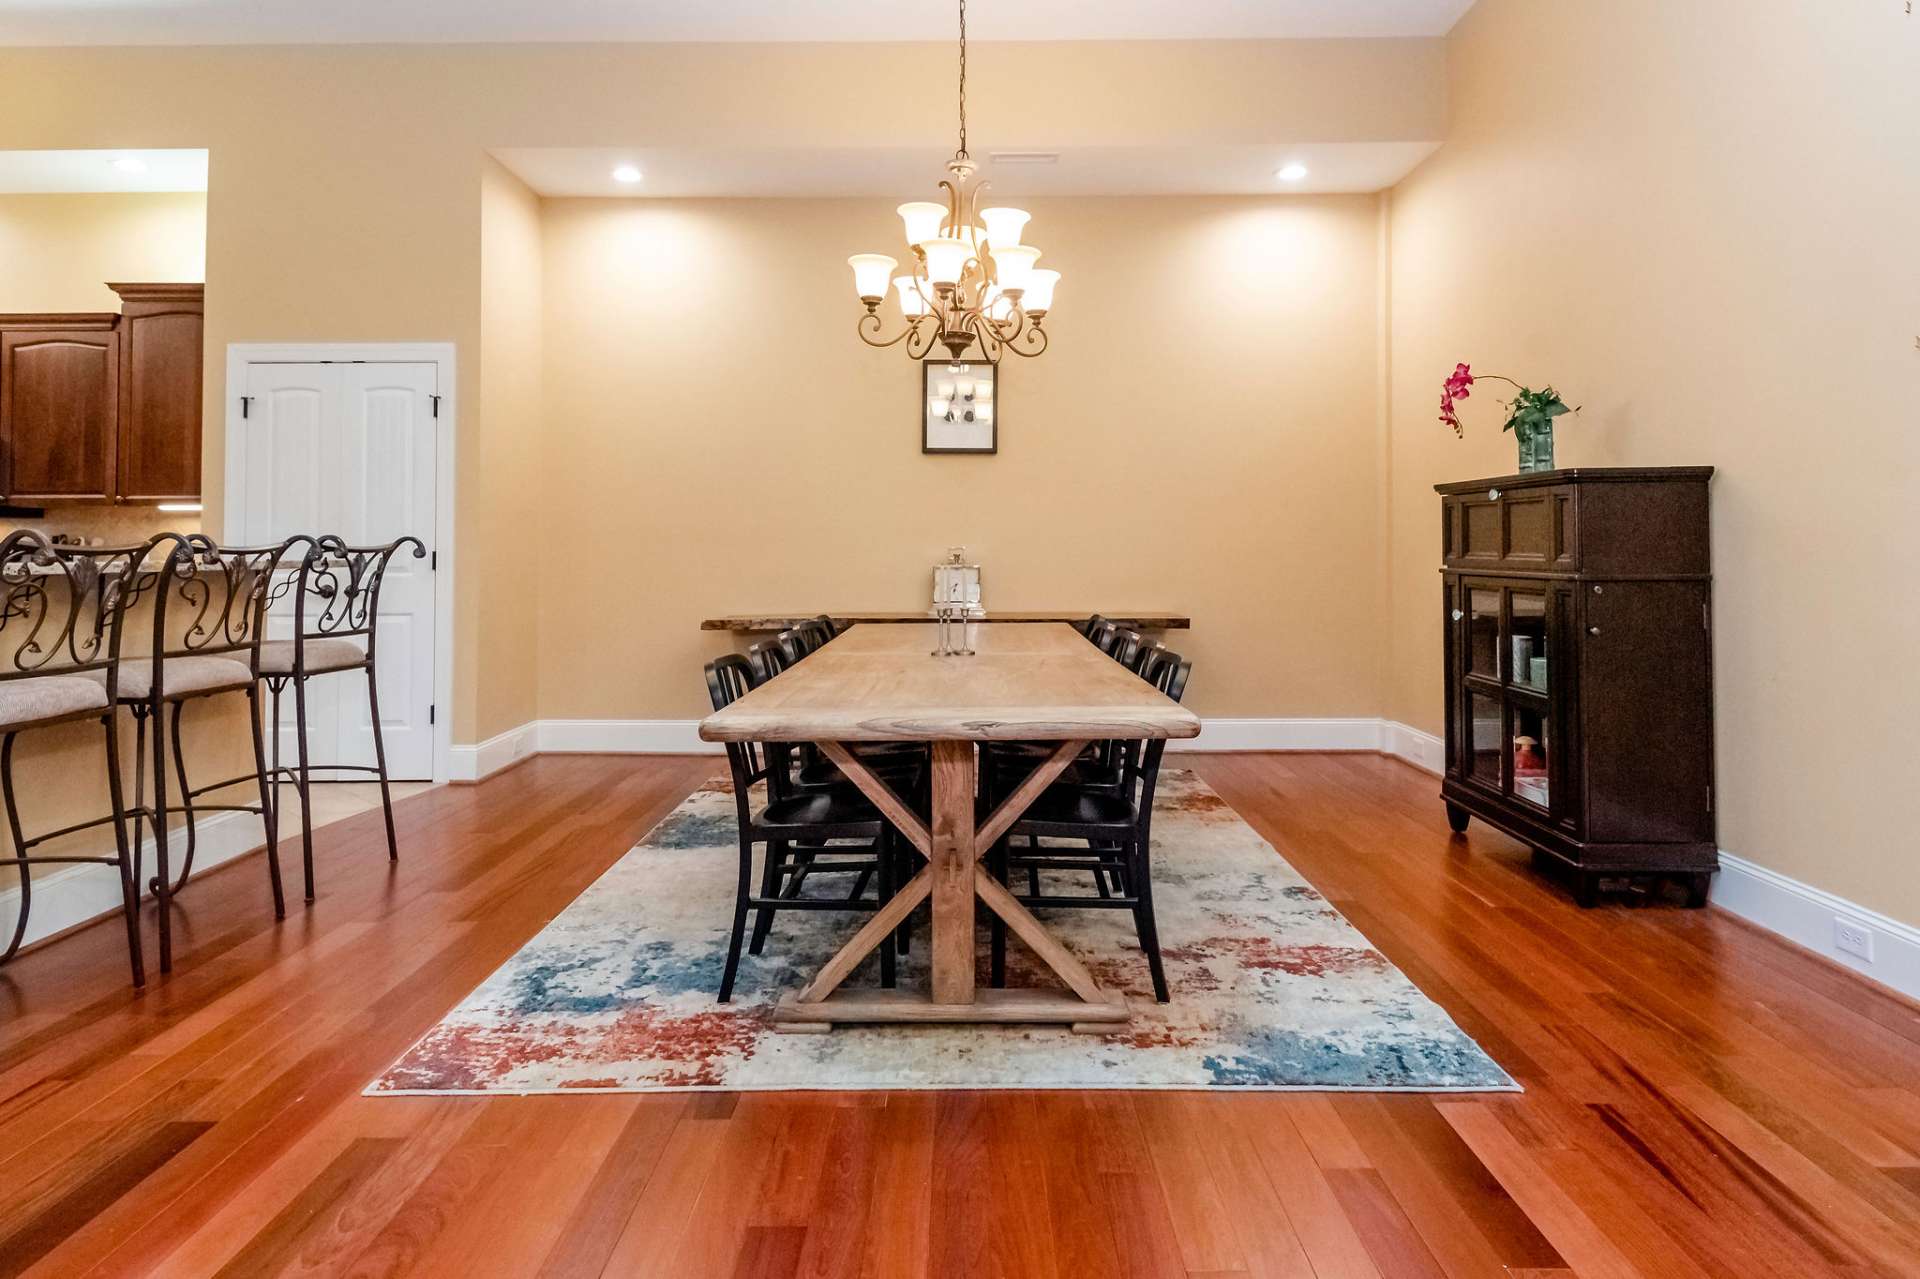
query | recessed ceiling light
[626, 173]
[1292, 173]
[130, 164]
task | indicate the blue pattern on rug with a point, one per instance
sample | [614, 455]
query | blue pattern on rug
[1272, 988]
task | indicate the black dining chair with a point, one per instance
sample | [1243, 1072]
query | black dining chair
[1087, 627]
[62, 617]
[796, 827]
[1103, 636]
[1116, 824]
[336, 612]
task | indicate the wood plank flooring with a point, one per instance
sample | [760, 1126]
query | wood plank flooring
[1702, 1100]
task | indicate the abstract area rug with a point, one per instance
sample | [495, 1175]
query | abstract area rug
[1272, 988]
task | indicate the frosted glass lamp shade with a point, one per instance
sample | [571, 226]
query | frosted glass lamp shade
[1004, 226]
[1039, 298]
[1014, 266]
[946, 259]
[870, 273]
[922, 219]
[913, 303]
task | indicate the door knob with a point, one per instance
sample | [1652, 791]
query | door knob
[1593, 630]
[1457, 615]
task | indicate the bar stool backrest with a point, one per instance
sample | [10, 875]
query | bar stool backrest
[63, 608]
[337, 590]
[208, 600]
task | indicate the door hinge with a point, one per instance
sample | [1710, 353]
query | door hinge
[433, 561]
[432, 711]
[436, 405]
[246, 407]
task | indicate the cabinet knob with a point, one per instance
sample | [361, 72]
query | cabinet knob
[1457, 615]
[1493, 495]
[1593, 630]
[1599, 590]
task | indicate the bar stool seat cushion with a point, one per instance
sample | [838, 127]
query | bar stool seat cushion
[22, 701]
[324, 653]
[182, 675]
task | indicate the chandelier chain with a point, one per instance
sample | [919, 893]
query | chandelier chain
[961, 154]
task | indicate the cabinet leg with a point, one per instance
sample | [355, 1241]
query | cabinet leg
[1457, 819]
[1586, 889]
[1697, 885]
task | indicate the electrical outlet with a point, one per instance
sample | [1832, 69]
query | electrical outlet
[1853, 938]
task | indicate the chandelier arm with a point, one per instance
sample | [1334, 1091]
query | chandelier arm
[987, 334]
[1035, 337]
[872, 320]
[916, 349]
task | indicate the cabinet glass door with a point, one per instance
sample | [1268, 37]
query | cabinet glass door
[1527, 641]
[1529, 751]
[1485, 740]
[1483, 633]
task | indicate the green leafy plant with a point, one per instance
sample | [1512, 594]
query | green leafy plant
[1527, 412]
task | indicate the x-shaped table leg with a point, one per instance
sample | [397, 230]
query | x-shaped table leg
[953, 879]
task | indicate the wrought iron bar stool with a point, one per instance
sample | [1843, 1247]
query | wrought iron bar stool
[209, 612]
[62, 615]
[336, 611]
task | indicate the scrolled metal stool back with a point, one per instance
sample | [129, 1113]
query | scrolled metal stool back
[339, 587]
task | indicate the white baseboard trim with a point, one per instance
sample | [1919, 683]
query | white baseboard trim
[1806, 915]
[472, 763]
[1423, 750]
[682, 737]
[78, 894]
[624, 737]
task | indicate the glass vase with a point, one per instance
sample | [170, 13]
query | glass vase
[1536, 449]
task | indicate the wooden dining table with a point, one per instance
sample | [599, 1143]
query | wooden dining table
[1027, 682]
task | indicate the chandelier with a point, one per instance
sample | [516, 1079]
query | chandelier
[972, 280]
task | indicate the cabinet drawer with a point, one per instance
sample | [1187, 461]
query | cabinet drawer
[1534, 528]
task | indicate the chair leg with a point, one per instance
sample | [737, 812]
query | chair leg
[269, 819]
[883, 853]
[19, 849]
[186, 798]
[380, 758]
[305, 786]
[740, 893]
[997, 866]
[1141, 876]
[770, 879]
[129, 880]
[139, 785]
[162, 882]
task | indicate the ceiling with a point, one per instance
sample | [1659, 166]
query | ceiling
[60, 172]
[63, 22]
[911, 173]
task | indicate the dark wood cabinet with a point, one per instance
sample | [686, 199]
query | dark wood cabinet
[99, 407]
[59, 414]
[160, 391]
[1577, 608]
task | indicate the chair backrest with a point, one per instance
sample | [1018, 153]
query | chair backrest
[728, 679]
[1144, 660]
[1087, 627]
[1168, 673]
[768, 658]
[805, 639]
[1104, 635]
[337, 589]
[831, 627]
[1126, 647]
[63, 608]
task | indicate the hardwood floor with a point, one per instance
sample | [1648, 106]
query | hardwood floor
[1701, 1099]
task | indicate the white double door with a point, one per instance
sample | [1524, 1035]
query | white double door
[349, 448]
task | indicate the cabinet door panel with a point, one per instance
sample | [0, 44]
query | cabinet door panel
[160, 430]
[59, 405]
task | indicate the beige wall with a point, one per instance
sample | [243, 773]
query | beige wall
[502, 632]
[345, 182]
[1699, 220]
[1200, 437]
[58, 251]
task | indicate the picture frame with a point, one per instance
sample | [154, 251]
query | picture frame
[959, 406]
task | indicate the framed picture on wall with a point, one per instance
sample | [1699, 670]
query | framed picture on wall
[959, 406]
